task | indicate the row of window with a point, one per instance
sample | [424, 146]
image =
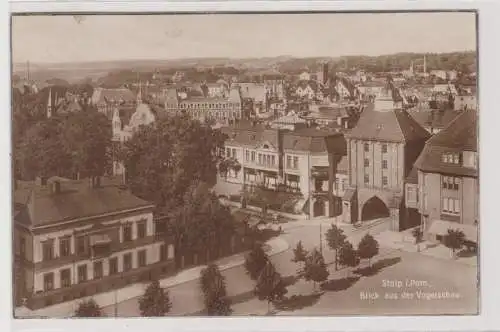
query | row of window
[367, 147]
[81, 242]
[82, 273]
[367, 163]
[292, 162]
[230, 152]
[451, 183]
[451, 206]
[216, 115]
[204, 105]
[452, 158]
[385, 180]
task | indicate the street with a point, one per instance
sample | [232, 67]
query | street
[400, 283]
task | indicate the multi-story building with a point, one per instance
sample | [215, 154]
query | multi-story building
[303, 161]
[220, 110]
[465, 101]
[73, 239]
[444, 188]
[106, 100]
[381, 150]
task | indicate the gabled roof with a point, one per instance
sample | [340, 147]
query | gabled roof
[248, 134]
[102, 95]
[460, 135]
[391, 126]
[434, 118]
[315, 141]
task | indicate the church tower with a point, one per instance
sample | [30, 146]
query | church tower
[139, 94]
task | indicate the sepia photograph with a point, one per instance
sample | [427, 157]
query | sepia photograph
[244, 164]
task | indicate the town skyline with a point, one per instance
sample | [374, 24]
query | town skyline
[151, 37]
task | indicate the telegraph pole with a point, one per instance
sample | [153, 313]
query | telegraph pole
[320, 239]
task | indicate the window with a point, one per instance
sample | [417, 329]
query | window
[260, 159]
[127, 233]
[141, 258]
[48, 281]
[228, 152]
[127, 262]
[82, 273]
[65, 278]
[451, 183]
[113, 265]
[367, 162]
[367, 147]
[64, 247]
[273, 160]
[234, 153]
[141, 229]
[384, 148]
[295, 162]
[247, 155]
[48, 250]
[22, 247]
[384, 164]
[163, 252]
[384, 180]
[288, 162]
[367, 179]
[253, 156]
[452, 158]
[451, 206]
[98, 270]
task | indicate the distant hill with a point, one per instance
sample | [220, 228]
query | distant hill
[76, 72]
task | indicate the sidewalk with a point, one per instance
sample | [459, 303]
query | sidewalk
[405, 242]
[66, 309]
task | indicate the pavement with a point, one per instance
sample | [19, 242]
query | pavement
[63, 310]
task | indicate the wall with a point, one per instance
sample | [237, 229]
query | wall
[470, 200]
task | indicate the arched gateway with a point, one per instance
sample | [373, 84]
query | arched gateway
[374, 208]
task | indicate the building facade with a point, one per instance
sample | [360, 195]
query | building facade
[445, 190]
[381, 150]
[73, 239]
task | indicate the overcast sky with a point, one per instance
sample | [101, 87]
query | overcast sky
[101, 38]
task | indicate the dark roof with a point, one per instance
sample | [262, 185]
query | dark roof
[412, 176]
[38, 206]
[314, 140]
[245, 133]
[313, 84]
[434, 118]
[460, 135]
[391, 126]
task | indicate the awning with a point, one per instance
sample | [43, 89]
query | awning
[99, 239]
[440, 227]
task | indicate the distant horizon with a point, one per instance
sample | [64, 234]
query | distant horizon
[66, 39]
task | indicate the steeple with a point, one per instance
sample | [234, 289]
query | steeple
[139, 94]
[49, 104]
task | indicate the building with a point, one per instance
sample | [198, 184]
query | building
[256, 95]
[305, 76]
[381, 150]
[106, 100]
[217, 109]
[303, 161]
[74, 239]
[291, 121]
[433, 120]
[465, 101]
[345, 90]
[445, 190]
[216, 90]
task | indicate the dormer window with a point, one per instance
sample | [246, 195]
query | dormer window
[452, 158]
[266, 146]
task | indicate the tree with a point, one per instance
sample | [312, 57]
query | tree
[213, 286]
[88, 308]
[368, 248]
[335, 238]
[255, 262]
[270, 285]
[454, 240]
[315, 268]
[348, 256]
[299, 255]
[418, 235]
[155, 301]
[159, 159]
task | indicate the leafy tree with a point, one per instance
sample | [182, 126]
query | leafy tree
[159, 159]
[454, 240]
[335, 238]
[418, 235]
[368, 248]
[270, 285]
[155, 301]
[255, 261]
[213, 286]
[87, 137]
[299, 253]
[315, 268]
[348, 256]
[88, 308]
